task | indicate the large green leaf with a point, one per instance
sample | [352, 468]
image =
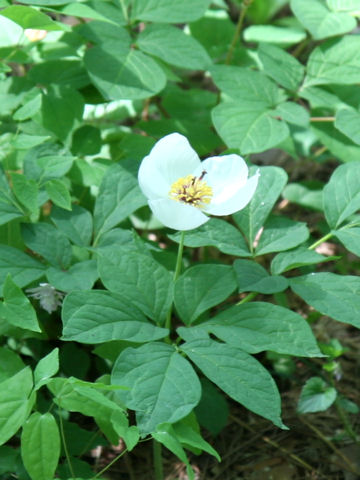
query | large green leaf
[337, 296]
[163, 386]
[16, 307]
[281, 66]
[342, 194]
[296, 258]
[168, 11]
[26, 191]
[247, 122]
[119, 196]
[240, 376]
[123, 73]
[15, 403]
[335, 61]
[22, 268]
[99, 316]
[179, 49]
[216, 233]
[350, 238]
[145, 282]
[252, 277]
[271, 183]
[202, 287]
[344, 5]
[49, 242]
[320, 20]
[347, 120]
[28, 17]
[58, 193]
[10, 363]
[40, 446]
[259, 326]
[46, 368]
[281, 233]
[77, 225]
[338, 144]
[80, 276]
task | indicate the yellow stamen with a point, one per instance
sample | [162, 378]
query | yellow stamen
[191, 190]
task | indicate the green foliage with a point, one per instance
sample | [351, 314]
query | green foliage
[98, 317]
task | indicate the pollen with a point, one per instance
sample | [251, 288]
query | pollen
[191, 190]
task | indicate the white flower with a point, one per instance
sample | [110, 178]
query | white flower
[50, 298]
[181, 190]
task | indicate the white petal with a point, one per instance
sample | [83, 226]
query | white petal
[170, 159]
[238, 201]
[225, 175]
[176, 215]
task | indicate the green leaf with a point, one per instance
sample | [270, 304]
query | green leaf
[342, 194]
[29, 109]
[168, 11]
[28, 17]
[258, 326]
[15, 403]
[80, 276]
[338, 144]
[26, 191]
[212, 412]
[347, 121]
[179, 49]
[119, 196]
[337, 296]
[281, 233]
[22, 268]
[123, 73]
[240, 376]
[252, 277]
[271, 182]
[40, 446]
[77, 224]
[140, 278]
[62, 109]
[58, 193]
[202, 287]
[304, 196]
[82, 10]
[293, 113]
[16, 307]
[166, 435]
[46, 368]
[188, 436]
[86, 140]
[99, 316]
[163, 386]
[25, 142]
[343, 5]
[299, 257]
[216, 233]
[332, 60]
[319, 20]
[10, 363]
[274, 34]
[130, 435]
[49, 242]
[253, 100]
[316, 396]
[281, 66]
[350, 238]
[53, 166]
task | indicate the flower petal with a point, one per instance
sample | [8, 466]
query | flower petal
[225, 175]
[176, 215]
[170, 159]
[238, 201]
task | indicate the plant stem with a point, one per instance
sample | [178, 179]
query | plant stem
[322, 119]
[176, 274]
[246, 4]
[109, 464]
[248, 298]
[158, 466]
[321, 240]
[65, 447]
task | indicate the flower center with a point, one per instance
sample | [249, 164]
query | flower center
[191, 190]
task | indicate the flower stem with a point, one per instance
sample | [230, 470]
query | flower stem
[248, 298]
[109, 464]
[246, 4]
[321, 240]
[176, 275]
[62, 434]
[157, 458]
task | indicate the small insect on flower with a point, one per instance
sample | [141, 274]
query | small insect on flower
[182, 191]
